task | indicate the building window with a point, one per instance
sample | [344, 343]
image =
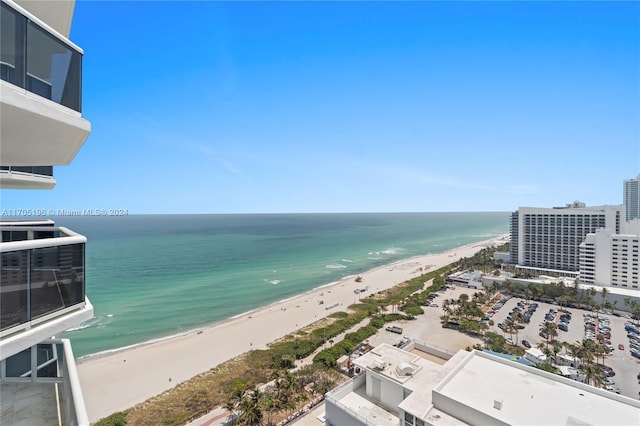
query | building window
[408, 418]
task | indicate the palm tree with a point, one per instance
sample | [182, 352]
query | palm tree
[592, 373]
[551, 329]
[270, 406]
[634, 308]
[574, 351]
[510, 327]
[585, 350]
[601, 350]
[592, 293]
[557, 347]
[482, 327]
[548, 353]
[604, 293]
[251, 408]
[613, 306]
[234, 398]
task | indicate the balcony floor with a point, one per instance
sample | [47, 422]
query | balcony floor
[359, 402]
[28, 404]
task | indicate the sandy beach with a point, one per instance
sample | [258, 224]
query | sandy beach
[118, 380]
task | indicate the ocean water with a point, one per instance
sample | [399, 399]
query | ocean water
[152, 276]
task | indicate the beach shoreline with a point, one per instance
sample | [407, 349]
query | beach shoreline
[118, 379]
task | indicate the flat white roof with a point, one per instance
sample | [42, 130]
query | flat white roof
[426, 374]
[529, 396]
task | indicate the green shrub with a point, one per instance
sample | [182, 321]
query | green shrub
[116, 419]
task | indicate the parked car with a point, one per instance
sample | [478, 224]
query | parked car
[527, 345]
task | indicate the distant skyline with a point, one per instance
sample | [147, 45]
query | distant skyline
[259, 107]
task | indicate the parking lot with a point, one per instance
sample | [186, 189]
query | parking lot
[625, 366]
[427, 328]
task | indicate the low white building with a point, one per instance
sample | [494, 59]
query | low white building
[466, 279]
[535, 355]
[610, 259]
[399, 388]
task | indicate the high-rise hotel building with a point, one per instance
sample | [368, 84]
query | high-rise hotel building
[42, 277]
[631, 198]
[548, 239]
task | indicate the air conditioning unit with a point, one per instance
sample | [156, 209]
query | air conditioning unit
[404, 369]
[378, 365]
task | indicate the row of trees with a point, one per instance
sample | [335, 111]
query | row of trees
[465, 313]
[588, 351]
[593, 298]
[285, 394]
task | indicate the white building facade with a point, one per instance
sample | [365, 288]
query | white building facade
[609, 259]
[42, 277]
[549, 238]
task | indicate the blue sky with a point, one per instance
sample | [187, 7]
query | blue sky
[212, 107]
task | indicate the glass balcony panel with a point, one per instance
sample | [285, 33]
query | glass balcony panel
[8, 236]
[36, 170]
[33, 59]
[57, 278]
[18, 364]
[14, 289]
[53, 69]
[12, 33]
[47, 360]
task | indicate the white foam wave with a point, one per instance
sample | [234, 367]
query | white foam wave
[335, 266]
[80, 327]
[347, 260]
[392, 250]
[243, 314]
[274, 282]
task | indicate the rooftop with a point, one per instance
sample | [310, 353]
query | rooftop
[480, 388]
[527, 395]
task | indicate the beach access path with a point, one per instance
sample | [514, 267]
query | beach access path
[119, 380]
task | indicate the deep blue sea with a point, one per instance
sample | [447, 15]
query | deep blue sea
[151, 276]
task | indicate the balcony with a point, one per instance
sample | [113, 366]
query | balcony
[42, 285]
[40, 385]
[349, 404]
[40, 92]
[27, 177]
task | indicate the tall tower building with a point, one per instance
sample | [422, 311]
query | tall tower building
[631, 198]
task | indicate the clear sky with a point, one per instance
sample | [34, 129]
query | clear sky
[213, 107]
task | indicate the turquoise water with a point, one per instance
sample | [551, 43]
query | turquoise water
[150, 276]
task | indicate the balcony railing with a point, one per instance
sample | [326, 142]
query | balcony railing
[47, 377]
[29, 170]
[42, 274]
[39, 60]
